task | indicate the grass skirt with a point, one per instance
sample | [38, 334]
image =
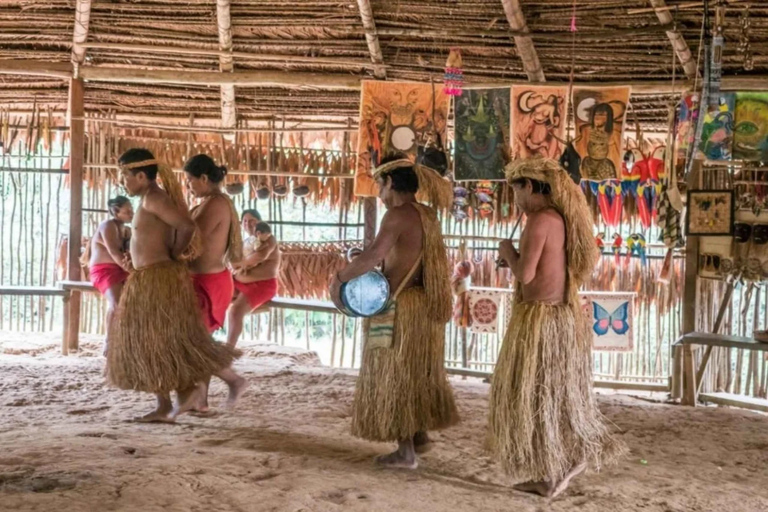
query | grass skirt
[404, 389]
[158, 341]
[543, 419]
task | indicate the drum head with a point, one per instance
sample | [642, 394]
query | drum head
[366, 295]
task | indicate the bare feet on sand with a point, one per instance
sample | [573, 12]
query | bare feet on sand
[189, 400]
[402, 458]
[552, 489]
[236, 390]
[162, 414]
[397, 460]
[156, 417]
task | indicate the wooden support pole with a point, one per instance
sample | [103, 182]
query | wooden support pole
[82, 20]
[76, 159]
[372, 39]
[224, 22]
[524, 44]
[369, 220]
[689, 302]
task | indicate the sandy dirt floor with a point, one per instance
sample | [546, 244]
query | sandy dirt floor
[65, 445]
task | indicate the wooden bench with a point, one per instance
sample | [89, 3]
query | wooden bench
[70, 337]
[694, 377]
[32, 291]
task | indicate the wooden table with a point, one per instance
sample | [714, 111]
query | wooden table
[693, 377]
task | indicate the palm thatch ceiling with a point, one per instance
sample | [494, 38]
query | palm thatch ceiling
[616, 41]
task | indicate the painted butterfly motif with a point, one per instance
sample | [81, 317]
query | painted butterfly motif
[618, 320]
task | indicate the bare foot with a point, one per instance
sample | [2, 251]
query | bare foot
[397, 460]
[188, 401]
[541, 488]
[157, 416]
[236, 390]
[563, 484]
[421, 442]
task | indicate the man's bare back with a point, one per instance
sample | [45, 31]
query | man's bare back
[212, 218]
[407, 247]
[269, 265]
[548, 283]
[107, 244]
[153, 239]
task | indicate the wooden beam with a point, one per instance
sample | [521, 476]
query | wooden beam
[372, 38]
[224, 22]
[76, 161]
[175, 50]
[524, 44]
[82, 20]
[318, 81]
[676, 38]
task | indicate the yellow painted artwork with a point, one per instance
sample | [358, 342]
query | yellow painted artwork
[395, 117]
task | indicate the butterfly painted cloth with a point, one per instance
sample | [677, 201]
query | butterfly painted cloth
[604, 322]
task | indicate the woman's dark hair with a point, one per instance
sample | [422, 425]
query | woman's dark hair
[404, 179]
[263, 227]
[200, 165]
[116, 203]
[538, 187]
[608, 110]
[135, 155]
[253, 213]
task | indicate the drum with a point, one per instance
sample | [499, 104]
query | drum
[364, 296]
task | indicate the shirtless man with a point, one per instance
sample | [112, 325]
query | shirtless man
[543, 422]
[217, 224]
[402, 390]
[255, 277]
[158, 341]
[110, 261]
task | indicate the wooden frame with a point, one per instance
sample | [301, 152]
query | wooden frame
[695, 210]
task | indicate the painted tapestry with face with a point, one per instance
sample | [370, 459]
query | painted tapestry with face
[600, 116]
[482, 129]
[538, 121]
[395, 117]
[750, 133]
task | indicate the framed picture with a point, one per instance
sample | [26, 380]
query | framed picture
[710, 213]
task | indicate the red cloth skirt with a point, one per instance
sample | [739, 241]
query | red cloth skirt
[105, 275]
[214, 294]
[258, 293]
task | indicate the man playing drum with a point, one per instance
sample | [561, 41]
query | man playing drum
[402, 390]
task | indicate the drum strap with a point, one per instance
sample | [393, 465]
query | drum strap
[379, 330]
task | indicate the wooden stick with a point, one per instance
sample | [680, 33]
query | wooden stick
[716, 329]
[77, 153]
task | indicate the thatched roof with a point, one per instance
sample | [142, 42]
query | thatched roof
[617, 40]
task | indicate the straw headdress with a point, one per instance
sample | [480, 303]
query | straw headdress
[172, 187]
[433, 188]
[567, 199]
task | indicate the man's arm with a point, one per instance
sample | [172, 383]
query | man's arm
[525, 262]
[113, 241]
[165, 209]
[389, 232]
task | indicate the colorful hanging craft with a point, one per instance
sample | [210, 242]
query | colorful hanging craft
[484, 193]
[460, 202]
[618, 241]
[454, 76]
[460, 283]
[609, 200]
[636, 246]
